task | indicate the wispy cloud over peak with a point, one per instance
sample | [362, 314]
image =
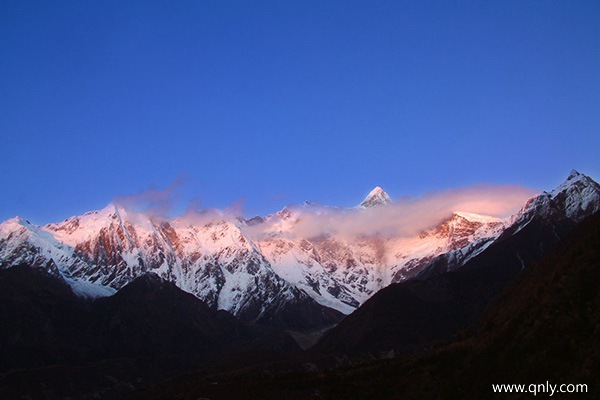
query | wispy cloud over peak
[404, 217]
[157, 203]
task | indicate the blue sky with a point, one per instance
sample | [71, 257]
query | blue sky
[276, 102]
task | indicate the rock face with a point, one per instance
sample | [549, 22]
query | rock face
[274, 270]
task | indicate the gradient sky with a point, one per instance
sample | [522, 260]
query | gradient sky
[276, 102]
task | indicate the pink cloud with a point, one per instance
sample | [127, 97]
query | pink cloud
[407, 216]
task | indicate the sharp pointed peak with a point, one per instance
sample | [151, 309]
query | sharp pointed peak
[578, 196]
[574, 174]
[575, 178]
[376, 197]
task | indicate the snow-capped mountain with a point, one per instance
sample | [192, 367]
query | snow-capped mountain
[377, 197]
[276, 269]
[574, 199]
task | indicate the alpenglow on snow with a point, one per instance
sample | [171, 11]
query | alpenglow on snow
[224, 262]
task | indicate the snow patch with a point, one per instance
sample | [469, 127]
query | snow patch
[89, 290]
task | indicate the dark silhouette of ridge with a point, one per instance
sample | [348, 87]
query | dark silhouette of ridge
[53, 344]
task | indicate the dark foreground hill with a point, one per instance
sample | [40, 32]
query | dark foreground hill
[53, 344]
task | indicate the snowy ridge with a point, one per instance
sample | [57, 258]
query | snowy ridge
[253, 268]
[483, 219]
[575, 199]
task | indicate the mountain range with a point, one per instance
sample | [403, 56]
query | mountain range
[269, 270]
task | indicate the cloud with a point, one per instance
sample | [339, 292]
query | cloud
[403, 218]
[155, 203]
[165, 204]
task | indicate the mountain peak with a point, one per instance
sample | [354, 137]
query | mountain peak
[577, 197]
[377, 197]
[574, 174]
[576, 181]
